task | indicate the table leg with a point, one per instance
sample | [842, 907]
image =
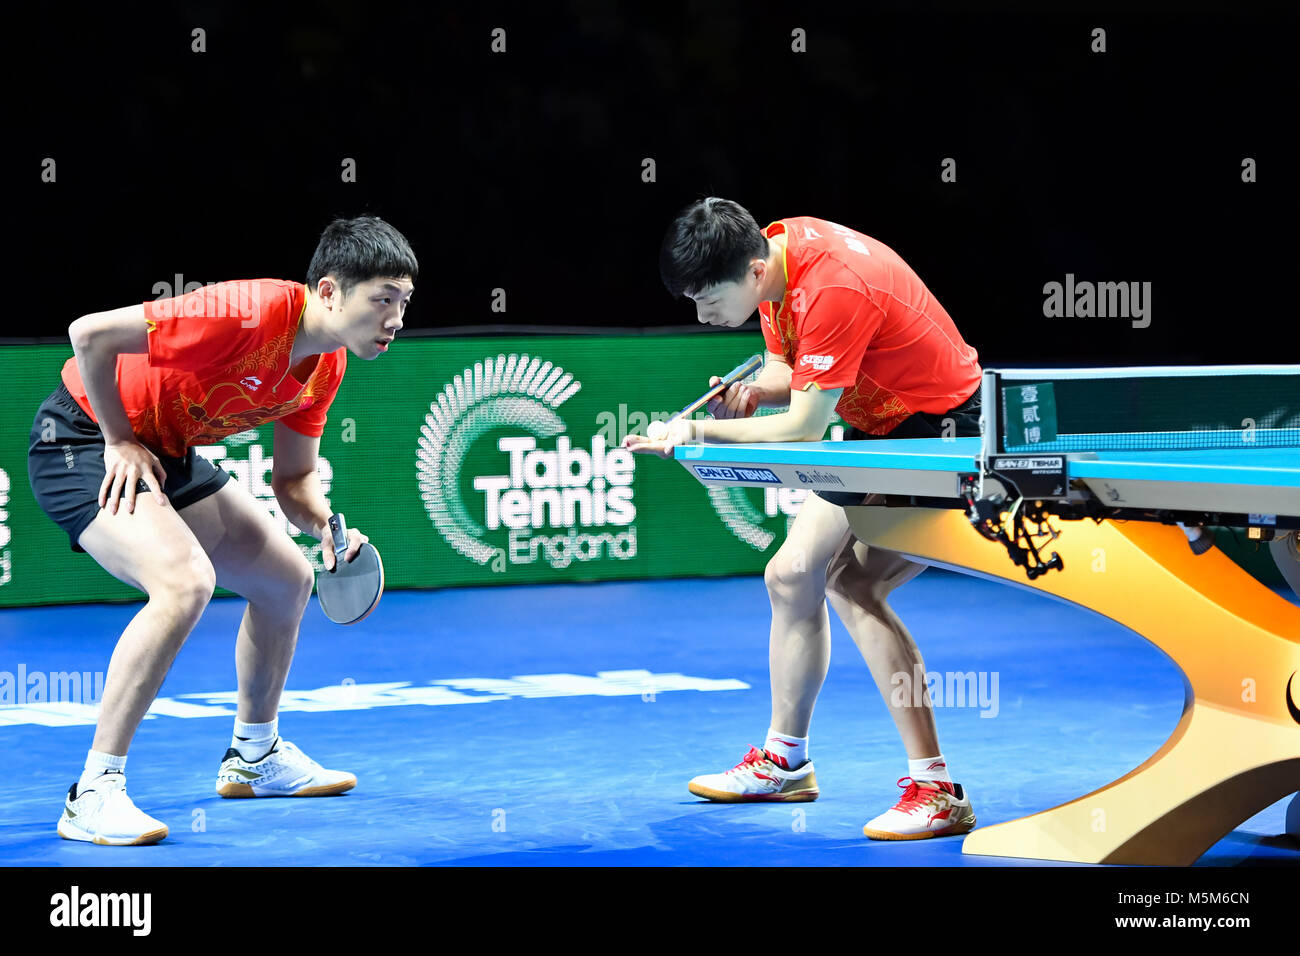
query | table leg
[1236, 749]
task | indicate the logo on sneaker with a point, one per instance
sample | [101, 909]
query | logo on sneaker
[1291, 704]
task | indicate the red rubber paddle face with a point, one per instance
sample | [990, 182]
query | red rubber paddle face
[352, 590]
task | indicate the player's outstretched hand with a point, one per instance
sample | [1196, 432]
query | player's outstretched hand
[680, 432]
[739, 401]
[126, 464]
[355, 540]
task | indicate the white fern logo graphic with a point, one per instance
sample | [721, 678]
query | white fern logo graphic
[517, 391]
[741, 518]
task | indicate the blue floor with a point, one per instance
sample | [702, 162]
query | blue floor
[461, 760]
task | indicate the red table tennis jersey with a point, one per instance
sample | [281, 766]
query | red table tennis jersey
[218, 363]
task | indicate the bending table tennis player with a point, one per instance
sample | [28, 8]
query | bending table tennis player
[849, 327]
[112, 462]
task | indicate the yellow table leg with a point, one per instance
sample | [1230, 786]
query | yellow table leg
[1236, 749]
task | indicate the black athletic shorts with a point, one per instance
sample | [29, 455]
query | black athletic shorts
[966, 423]
[66, 473]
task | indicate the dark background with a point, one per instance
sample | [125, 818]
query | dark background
[523, 170]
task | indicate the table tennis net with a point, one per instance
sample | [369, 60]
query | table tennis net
[1148, 409]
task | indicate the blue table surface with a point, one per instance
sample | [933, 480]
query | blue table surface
[1273, 467]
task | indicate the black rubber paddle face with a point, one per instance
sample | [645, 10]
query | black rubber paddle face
[352, 589]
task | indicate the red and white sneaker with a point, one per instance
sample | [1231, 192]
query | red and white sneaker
[757, 778]
[928, 808]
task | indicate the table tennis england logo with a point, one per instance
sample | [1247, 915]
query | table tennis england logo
[540, 496]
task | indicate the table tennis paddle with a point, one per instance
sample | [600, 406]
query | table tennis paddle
[352, 590]
[746, 368]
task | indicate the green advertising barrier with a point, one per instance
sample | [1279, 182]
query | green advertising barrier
[473, 461]
[466, 461]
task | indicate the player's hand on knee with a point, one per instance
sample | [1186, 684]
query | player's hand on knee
[125, 465]
[355, 540]
[739, 401]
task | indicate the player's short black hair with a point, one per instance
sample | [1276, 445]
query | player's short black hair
[356, 250]
[711, 241]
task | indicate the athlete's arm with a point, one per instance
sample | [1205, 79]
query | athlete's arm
[770, 389]
[97, 341]
[297, 488]
[811, 411]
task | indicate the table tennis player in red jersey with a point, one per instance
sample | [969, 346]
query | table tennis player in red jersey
[112, 461]
[849, 327]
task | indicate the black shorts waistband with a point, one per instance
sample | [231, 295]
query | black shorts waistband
[63, 397]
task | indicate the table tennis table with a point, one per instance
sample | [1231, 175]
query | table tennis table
[1072, 464]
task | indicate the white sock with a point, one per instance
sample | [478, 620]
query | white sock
[929, 768]
[97, 764]
[254, 741]
[786, 752]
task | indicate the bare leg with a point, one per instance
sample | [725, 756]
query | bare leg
[859, 583]
[258, 561]
[799, 648]
[154, 551]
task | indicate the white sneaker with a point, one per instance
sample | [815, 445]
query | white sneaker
[104, 814]
[927, 808]
[757, 778]
[284, 772]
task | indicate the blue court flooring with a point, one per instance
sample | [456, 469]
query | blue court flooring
[559, 725]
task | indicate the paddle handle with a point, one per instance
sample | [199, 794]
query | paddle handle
[743, 370]
[339, 533]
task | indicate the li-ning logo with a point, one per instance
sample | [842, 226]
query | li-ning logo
[1292, 707]
[815, 477]
[819, 362]
[564, 488]
[252, 382]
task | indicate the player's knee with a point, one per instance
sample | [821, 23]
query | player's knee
[301, 578]
[186, 583]
[787, 577]
[288, 587]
